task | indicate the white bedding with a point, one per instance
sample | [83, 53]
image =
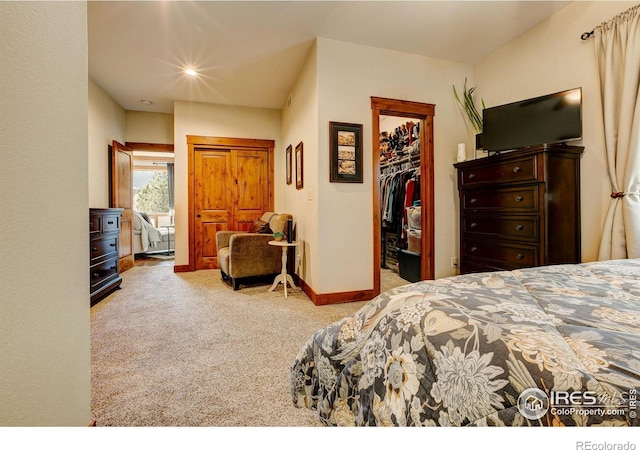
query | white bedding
[147, 238]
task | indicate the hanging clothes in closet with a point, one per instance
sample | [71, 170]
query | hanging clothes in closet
[399, 187]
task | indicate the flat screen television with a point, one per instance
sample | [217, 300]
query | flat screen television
[549, 119]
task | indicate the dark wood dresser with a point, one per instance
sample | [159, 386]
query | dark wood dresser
[104, 275]
[520, 209]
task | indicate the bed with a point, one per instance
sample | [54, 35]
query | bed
[555, 345]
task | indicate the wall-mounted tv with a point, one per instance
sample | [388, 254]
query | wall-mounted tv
[549, 119]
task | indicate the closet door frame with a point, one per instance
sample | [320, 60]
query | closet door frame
[425, 113]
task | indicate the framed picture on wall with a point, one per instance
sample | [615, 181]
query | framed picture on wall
[289, 157]
[345, 141]
[299, 166]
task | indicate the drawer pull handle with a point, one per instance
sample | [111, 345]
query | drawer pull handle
[112, 244]
[96, 275]
[472, 176]
[519, 198]
[519, 227]
[474, 249]
[517, 169]
[473, 224]
[94, 249]
[472, 201]
[112, 268]
[520, 256]
[110, 222]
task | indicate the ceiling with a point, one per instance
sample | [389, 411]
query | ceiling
[249, 53]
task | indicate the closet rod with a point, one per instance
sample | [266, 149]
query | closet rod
[400, 161]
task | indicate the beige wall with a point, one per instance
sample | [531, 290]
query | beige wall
[344, 252]
[203, 119]
[44, 323]
[300, 124]
[148, 127]
[108, 121]
[106, 124]
[551, 58]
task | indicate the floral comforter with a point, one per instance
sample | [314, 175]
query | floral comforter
[556, 345]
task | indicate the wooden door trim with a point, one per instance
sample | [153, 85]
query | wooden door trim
[219, 143]
[425, 112]
[213, 141]
[149, 147]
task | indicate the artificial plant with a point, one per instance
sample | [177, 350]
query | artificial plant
[469, 107]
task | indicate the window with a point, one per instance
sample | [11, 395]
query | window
[151, 191]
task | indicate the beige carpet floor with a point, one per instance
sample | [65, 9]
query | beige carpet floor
[186, 350]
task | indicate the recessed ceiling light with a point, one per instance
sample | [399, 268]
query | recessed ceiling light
[146, 102]
[191, 72]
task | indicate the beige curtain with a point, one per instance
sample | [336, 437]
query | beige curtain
[618, 57]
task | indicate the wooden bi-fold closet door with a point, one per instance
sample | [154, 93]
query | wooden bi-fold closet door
[232, 187]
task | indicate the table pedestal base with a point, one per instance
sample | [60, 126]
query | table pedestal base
[282, 278]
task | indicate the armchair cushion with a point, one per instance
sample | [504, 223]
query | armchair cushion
[249, 255]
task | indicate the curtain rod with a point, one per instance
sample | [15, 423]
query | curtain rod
[587, 34]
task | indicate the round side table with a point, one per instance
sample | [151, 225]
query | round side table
[283, 277]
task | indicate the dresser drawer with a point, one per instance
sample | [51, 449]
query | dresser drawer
[95, 224]
[110, 222]
[101, 274]
[506, 200]
[510, 255]
[471, 266]
[103, 248]
[522, 169]
[521, 228]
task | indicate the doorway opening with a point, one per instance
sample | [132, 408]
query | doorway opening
[153, 203]
[418, 117]
[153, 182]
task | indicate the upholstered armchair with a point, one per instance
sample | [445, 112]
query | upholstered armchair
[248, 254]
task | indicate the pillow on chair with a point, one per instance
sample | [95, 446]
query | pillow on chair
[259, 226]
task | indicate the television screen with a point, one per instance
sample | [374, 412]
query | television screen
[549, 119]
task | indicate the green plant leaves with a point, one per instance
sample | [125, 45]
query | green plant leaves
[468, 106]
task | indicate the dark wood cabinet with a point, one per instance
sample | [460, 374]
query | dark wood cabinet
[520, 209]
[104, 274]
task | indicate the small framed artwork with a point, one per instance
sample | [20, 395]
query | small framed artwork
[345, 141]
[289, 157]
[299, 166]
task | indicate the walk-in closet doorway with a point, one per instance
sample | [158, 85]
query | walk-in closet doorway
[420, 114]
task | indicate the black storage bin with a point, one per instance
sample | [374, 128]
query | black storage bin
[409, 265]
